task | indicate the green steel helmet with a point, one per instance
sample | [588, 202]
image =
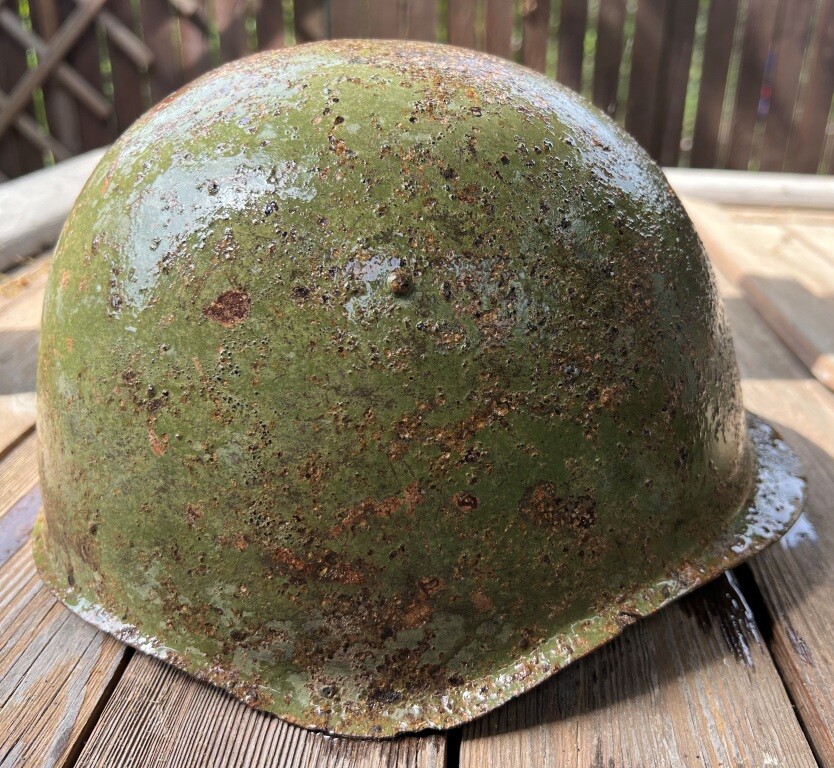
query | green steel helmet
[380, 380]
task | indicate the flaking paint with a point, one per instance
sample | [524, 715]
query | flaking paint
[378, 381]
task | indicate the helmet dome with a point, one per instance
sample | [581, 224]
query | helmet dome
[380, 380]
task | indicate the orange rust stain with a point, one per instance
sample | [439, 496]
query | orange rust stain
[158, 443]
[65, 278]
[230, 308]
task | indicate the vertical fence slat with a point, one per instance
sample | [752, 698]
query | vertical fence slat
[718, 49]
[421, 19]
[678, 38]
[158, 28]
[573, 20]
[461, 22]
[535, 30]
[758, 32]
[230, 17]
[84, 56]
[349, 18]
[61, 108]
[10, 161]
[310, 20]
[269, 18]
[384, 19]
[646, 62]
[789, 46]
[127, 80]
[609, 53]
[499, 27]
[808, 136]
[17, 156]
[194, 48]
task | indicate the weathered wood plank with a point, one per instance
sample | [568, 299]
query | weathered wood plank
[384, 19]
[499, 28]
[19, 330]
[63, 41]
[808, 135]
[127, 82]
[161, 33]
[17, 521]
[573, 20]
[158, 715]
[754, 189]
[61, 108]
[461, 22]
[230, 17]
[535, 32]
[788, 52]
[55, 671]
[718, 48]
[309, 20]
[194, 47]
[791, 291]
[609, 53]
[693, 685]
[796, 577]
[350, 18]
[421, 19]
[646, 61]
[269, 18]
[18, 472]
[678, 40]
[36, 206]
[753, 73]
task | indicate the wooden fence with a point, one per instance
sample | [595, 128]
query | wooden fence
[744, 84]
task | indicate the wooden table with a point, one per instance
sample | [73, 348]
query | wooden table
[740, 673]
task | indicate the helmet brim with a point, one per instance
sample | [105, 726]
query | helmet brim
[775, 504]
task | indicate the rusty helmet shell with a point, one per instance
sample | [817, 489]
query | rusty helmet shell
[378, 381]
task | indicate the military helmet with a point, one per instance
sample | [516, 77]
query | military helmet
[380, 380]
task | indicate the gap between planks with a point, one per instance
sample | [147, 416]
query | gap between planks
[795, 577]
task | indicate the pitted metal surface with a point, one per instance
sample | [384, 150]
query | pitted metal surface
[379, 381]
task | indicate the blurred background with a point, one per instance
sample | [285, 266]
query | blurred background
[741, 84]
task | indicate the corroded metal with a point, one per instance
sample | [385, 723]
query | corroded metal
[380, 381]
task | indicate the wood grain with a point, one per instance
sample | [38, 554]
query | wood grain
[573, 20]
[792, 38]
[19, 331]
[499, 28]
[55, 671]
[678, 40]
[460, 19]
[158, 715]
[36, 206]
[693, 685]
[609, 53]
[718, 48]
[755, 50]
[646, 62]
[792, 287]
[797, 576]
[535, 33]
[807, 137]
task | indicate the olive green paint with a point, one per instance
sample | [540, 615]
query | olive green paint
[379, 381]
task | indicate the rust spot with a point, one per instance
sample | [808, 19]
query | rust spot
[546, 506]
[229, 308]
[400, 282]
[466, 501]
[193, 512]
[65, 278]
[159, 443]
[481, 601]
